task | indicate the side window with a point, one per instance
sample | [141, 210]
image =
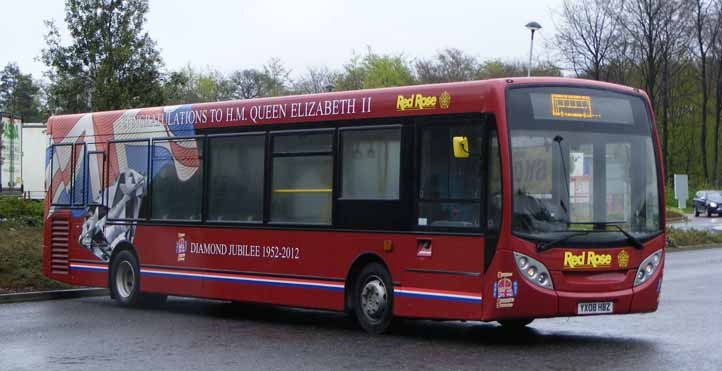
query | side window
[450, 188]
[235, 178]
[302, 178]
[79, 174]
[177, 188]
[95, 179]
[371, 164]
[127, 178]
[61, 181]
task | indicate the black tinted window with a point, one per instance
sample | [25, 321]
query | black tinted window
[235, 178]
[177, 179]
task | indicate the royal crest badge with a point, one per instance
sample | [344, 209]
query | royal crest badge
[180, 247]
[444, 100]
[623, 259]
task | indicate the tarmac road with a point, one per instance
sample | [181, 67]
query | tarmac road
[192, 334]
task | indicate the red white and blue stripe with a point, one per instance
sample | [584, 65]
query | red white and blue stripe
[399, 291]
[413, 292]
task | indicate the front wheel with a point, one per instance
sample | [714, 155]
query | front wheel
[709, 213]
[373, 299]
[696, 212]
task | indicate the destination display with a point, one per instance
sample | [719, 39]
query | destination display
[581, 105]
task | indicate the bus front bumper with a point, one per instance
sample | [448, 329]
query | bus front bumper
[640, 299]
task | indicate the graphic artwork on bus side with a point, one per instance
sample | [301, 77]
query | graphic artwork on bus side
[114, 188]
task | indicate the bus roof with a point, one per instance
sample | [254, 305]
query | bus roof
[444, 98]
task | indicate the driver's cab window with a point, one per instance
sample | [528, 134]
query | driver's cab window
[450, 187]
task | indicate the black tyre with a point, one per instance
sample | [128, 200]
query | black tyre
[696, 212]
[709, 213]
[516, 323]
[125, 278]
[373, 299]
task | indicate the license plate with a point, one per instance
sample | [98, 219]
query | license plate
[600, 307]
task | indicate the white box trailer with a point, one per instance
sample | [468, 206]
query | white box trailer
[10, 153]
[34, 147]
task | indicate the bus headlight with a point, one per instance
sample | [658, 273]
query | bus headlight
[648, 267]
[533, 270]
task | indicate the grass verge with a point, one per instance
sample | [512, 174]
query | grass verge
[21, 259]
[21, 247]
[692, 237]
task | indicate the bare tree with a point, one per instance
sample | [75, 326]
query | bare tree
[705, 37]
[586, 35]
[673, 43]
[642, 21]
[315, 80]
[716, 50]
[447, 65]
[249, 83]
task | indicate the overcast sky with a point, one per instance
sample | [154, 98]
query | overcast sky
[234, 34]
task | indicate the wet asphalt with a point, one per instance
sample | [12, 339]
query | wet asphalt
[192, 334]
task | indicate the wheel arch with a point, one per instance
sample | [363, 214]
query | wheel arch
[358, 264]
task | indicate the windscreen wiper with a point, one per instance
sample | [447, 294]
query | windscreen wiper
[542, 246]
[618, 225]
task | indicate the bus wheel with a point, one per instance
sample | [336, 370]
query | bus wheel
[373, 299]
[515, 323]
[125, 278]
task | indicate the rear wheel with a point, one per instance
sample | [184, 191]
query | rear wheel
[125, 278]
[696, 211]
[373, 299]
[517, 323]
[125, 282]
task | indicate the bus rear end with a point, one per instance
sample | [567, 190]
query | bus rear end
[583, 201]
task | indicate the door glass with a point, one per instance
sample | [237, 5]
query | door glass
[450, 187]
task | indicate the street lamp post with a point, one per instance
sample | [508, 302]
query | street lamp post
[532, 26]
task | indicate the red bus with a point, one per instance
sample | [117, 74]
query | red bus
[500, 200]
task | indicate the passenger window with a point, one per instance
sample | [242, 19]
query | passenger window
[318, 142]
[61, 184]
[235, 188]
[79, 174]
[371, 164]
[450, 188]
[177, 188]
[127, 178]
[95, 179]
[302, 178]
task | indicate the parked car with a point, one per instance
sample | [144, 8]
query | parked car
[709, 202]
